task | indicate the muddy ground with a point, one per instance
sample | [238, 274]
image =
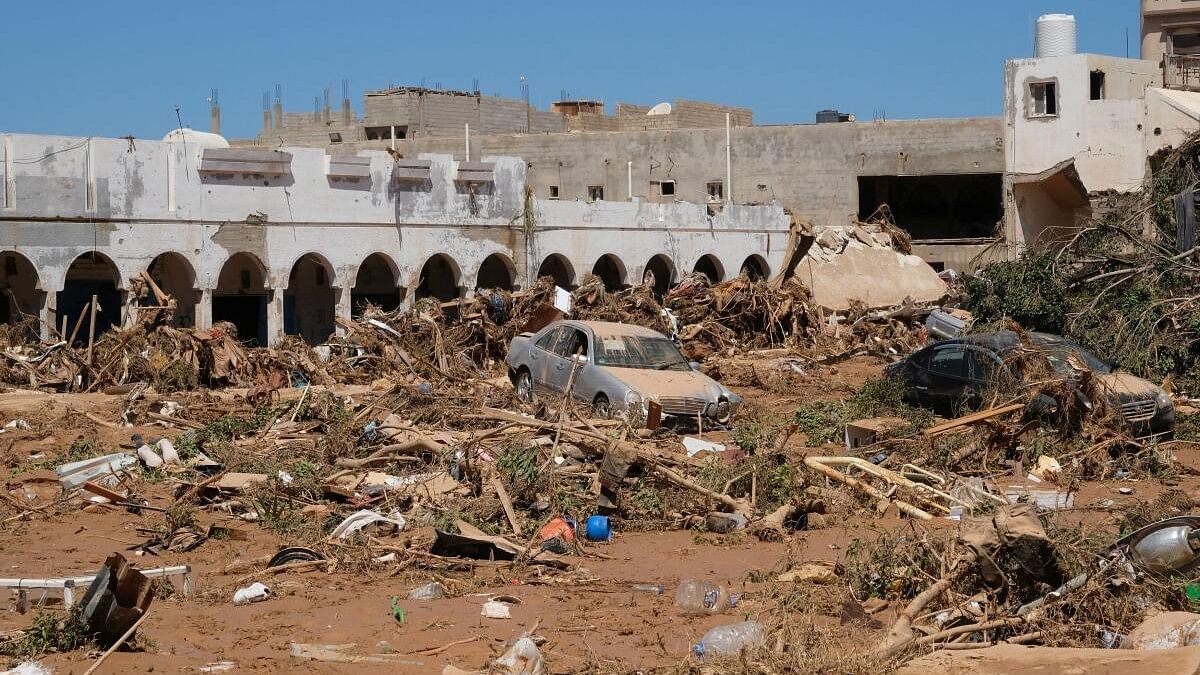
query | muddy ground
[590, 616]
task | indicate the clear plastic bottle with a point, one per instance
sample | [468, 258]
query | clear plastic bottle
[430, 591]
[702, 597]
[729, 639]
[656, 589]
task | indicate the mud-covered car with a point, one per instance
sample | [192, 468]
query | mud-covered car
[619, 368]
[960, 371]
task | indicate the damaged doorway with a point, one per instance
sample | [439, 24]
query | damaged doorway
[175, 277]
[310, 301]
[22, 299]
[439, 279]
[91, 274]
[710, 267]
[557, 267]
[957, 206]
[497, 271]
[611, 271]
[377, 283]
[241, 297]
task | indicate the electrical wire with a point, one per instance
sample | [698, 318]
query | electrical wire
[48, 155]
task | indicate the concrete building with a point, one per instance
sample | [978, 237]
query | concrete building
[1171, 39]
[283, 240]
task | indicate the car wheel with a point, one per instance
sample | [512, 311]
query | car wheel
[601, 408]
[524, 385]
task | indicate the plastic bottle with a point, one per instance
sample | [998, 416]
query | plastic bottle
[430, 591]
[702, 597]
[729, 639]
[656, 589]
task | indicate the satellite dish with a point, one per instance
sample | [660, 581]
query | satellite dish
[663, 108]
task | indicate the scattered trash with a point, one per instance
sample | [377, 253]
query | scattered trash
[255, 592]
[598, 528]
[702, 597]
[293, 554]
[729, 639]
[116, 600]
[29, 668]
[431, 591]
[494, 609]
[695, 446]
[724, 523]
[217, 667]
[361, 519]
[822, 572]
[397, 611]
[656, 589]
[523, 658]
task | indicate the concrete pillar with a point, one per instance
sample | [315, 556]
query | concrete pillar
[47, 316]
[204, 311]
[275, 317]
[342, 308]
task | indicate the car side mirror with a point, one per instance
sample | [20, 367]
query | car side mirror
[694, 365]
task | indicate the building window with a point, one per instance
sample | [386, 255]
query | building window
[1097, 85]
[1185, 43]
[666, 188]
[553, 192]
[1043, 97]
[716, 190]
[335, 137]
[595, 193]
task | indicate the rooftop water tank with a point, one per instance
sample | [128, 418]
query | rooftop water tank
[1055, 35]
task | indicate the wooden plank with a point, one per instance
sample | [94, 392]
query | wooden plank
[973, 418]
[506, 502]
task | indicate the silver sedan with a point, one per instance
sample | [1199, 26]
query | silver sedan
[619, 368]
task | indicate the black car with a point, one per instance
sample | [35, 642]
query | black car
[960, 371]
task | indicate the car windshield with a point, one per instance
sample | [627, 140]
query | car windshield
[636, 351]
[1068, 358]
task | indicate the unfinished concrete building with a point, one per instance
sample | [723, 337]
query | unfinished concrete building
[587, 115]
[1171, 40]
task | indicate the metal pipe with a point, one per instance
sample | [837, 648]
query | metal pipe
[728, 163]
[392, 133]
[629, 176]
[468, 140]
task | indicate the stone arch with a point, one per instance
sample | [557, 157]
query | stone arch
[710, 266]
[497, 271]
[175, 276]
[659, 274]
[91, 274]
[611, 271]
[756, 268]
[440, 278]
[241, 297]
[377, 282]
[22, 295]
[310, 301]
[558, 267]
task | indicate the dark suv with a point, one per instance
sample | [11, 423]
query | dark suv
[961, 370]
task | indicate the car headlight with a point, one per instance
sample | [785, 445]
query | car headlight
[1163, 400]
[723, 409]
[634, 400]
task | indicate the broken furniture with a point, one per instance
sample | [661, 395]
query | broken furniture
[65, 586]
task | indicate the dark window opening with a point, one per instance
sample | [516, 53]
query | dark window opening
[385, 133]
[595, 193]
[938, 266]
[968, 206]
[553, 192]
[1097, 85]
[335, 137]
[716, 191]
[1043, 99]
[1185, 43]
[667, 188]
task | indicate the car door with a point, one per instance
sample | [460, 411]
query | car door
[946, 374]
[541, 357]
[572, 342]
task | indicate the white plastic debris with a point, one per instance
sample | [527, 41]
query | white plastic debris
[255, 592]
[357, 521]
[523, 658]
[494, 609]
[149, 457]
[285, 477]
[217, 667]
[29, 668]
[696, 445]
[562, 300]
[169, 455]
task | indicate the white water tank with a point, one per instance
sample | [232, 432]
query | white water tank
[1055, 35]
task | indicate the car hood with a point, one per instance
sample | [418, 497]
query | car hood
[658, 383]
[1127, 387]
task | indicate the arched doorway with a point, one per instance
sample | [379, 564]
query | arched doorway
[90, 275]
[755, 267]
[497, 271]
[439, 279]
[709, 266]
[376, 284]
[174, 276]
[659, 274]
[557, 267]
[611, 271]
[241, 297]
[21, 298]
[309, 302]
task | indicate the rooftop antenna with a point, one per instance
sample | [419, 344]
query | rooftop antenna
[525, 97]
[278, 106]
[347, 116]
[266, 113]
[214, 104]
[475, 86]
[1126, 41]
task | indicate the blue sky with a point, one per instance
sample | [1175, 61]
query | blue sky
[116, 68]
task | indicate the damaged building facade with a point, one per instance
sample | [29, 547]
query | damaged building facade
[285, 241]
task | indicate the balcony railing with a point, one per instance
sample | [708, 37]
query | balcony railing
[1181, 71]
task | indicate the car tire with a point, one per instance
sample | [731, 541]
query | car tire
[601, 408]
[524, 385]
